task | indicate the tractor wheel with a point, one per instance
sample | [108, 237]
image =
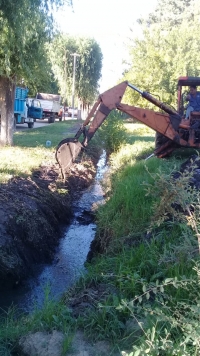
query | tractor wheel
[160, 140]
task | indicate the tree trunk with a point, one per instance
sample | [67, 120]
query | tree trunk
[79, 116]
[7, 90]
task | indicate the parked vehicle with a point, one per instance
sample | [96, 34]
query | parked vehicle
[70, 110]
[25, 111]
[50, 104]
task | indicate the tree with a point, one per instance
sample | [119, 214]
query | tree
[60, 50]
[167, 50]
[169, 13]
[25, 27]
[88, 66]
[88, 69]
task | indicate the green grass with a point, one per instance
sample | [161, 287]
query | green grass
[128, 208]
[149, 274]
[53, 316]
[38, 137]
[30, 151]
[135, 261]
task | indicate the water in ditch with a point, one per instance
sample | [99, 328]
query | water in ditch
[70, 256]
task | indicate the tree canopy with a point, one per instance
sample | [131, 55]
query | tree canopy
[169, 48]
[88, 66]
[25, 26]
[169, 13]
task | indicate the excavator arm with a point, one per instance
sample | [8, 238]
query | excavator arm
[169, 124]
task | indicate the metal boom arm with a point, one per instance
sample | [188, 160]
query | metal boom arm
[166, 124]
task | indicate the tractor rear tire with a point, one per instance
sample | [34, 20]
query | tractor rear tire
[160, 140]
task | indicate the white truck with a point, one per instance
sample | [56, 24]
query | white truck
[50, 104]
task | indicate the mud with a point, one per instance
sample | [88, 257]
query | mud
[33, 212]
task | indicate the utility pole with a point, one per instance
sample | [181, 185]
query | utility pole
[65, 80]
[73, 83]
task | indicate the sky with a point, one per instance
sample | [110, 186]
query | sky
[109, 23]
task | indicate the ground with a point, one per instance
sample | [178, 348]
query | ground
[51, 344]
[32, 214]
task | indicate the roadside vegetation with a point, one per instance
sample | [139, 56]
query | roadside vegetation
[146, 260]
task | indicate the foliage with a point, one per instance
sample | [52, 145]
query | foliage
[88, 66]
[150, 280]
[154, 276]
[178, 200]
[89, 69]
[166, 51]
[52, 316]
[24, 30]
[173, 14]
[174, 323]
[150, 291]
[113, 132]
[128, 210]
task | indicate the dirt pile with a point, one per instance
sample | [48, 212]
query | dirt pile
[32, 213]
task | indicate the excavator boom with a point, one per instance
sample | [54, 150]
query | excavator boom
[170, 125]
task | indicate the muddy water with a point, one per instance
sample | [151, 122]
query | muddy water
[70, 256]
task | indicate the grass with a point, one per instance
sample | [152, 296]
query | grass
[164, 260]
[38, 137]
[128, 211]
[53, 316]
[150, 274]
[30, 151]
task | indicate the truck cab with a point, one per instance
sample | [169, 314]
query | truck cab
[35, 110]
[25, 111]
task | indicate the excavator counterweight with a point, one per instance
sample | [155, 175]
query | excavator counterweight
[172, 130]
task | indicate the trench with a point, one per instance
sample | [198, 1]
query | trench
[70, 256]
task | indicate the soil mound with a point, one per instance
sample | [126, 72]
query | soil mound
[32, 214]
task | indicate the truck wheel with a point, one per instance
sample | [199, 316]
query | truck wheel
[51, 119]
[30, 125]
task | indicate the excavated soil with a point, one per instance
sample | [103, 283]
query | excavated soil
[33, 213]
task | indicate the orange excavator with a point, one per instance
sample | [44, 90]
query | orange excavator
[172, 130]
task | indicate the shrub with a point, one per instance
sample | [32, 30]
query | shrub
[113, 132]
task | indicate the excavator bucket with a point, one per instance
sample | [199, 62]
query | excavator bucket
[66, 153]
